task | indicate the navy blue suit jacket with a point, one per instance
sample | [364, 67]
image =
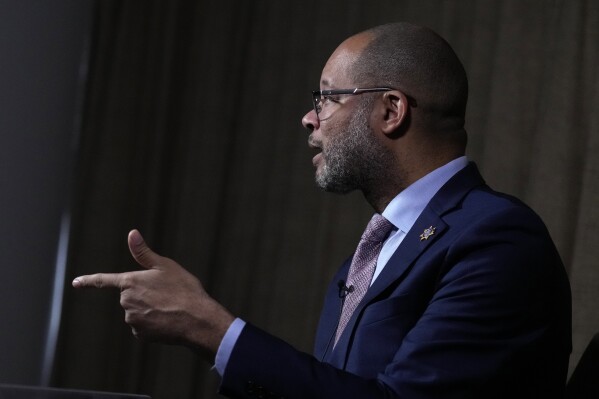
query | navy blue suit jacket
[479, 309]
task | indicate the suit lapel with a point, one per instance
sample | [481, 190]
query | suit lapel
[402, 260]
[427, 229]
[412, 246]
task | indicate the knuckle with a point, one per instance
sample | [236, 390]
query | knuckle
[99, 281]
[136, 333]
[144, 253]
[126, 280]
[124, 300]
[128, 300]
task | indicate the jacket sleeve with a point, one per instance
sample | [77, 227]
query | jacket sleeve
[263, 366]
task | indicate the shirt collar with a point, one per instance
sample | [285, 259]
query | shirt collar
[405, 208]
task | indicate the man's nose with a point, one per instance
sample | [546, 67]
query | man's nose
[310, 121]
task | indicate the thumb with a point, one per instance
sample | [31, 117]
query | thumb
[141, 252]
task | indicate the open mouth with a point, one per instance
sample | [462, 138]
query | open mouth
[317, 148]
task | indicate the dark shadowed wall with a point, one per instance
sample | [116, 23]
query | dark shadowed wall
[191, 132]
[41, 49]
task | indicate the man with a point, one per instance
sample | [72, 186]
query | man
[455, 291]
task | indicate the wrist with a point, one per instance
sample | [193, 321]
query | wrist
[208, 328]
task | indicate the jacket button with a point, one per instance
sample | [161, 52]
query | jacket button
[250, 388]
[260, 392]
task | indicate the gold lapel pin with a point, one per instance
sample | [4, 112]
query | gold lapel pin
[427, 233]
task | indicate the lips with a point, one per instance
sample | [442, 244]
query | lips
[316, 159]
[317, 146]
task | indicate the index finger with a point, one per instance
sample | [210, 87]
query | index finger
[99, 280]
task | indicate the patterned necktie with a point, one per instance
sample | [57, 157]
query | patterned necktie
[362, 267]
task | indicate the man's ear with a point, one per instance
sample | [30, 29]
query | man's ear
[396, 111]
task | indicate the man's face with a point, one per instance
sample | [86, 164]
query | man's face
[351, 156]
[344, 162]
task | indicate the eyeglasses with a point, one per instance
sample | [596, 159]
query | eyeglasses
[321, 98]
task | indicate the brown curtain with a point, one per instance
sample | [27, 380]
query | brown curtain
[192, 134]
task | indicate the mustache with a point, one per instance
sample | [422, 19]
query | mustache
[313, 143]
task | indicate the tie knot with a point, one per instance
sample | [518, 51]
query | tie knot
[377, 229]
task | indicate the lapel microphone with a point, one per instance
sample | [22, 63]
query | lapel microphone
[343, 289]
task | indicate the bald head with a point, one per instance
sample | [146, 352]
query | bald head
[417, 61]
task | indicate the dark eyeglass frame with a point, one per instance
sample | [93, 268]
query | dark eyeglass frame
[318, 94]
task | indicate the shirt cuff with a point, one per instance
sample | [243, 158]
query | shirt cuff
[226, 345]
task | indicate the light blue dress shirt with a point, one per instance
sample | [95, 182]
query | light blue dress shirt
[402, 212]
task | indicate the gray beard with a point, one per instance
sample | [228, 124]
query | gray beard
[354, 159]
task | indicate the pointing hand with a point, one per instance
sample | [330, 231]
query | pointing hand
[165, 302]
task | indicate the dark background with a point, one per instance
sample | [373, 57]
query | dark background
[185, 119]
[42, 49]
